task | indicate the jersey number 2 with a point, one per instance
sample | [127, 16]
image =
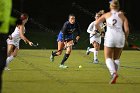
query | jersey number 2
[114, 21]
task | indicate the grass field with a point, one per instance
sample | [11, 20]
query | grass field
[32, 72]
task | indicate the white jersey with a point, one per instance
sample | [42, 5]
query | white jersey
[114, 22]
[15, 38]
[114, 36]
[91, 29]
[16, 34]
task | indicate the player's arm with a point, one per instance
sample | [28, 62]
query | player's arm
[98, 21]
[78, 32]
[126, 30]
[102, 29]
[126, 27]
[21, 31]
[63, 30]
[78, 29]
[90, 28]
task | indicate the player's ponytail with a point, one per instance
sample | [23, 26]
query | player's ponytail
[22, 17]
[19, 22]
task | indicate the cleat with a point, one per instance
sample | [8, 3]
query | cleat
[114, 78]
[6, 68]
[52, 57]
[87, 52]
[96, 61]
[63, 66]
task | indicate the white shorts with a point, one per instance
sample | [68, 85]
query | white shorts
[95, 39]
[14, 42]
[114, 40]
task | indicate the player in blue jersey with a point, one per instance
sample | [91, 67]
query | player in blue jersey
[66, 39]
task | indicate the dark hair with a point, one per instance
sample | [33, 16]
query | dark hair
[19, 22]
[100, 13]
[71, 15]
[24, 16]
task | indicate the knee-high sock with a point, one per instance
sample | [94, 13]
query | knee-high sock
[92, 50]
[95, 54]
[117, 64]
[110, 66]
[54, 53]
[9, 59]
[65, 58]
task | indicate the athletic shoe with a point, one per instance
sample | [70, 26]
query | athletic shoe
[87, 52]
[63, 66]
[96, 61]
[52, 57]
[114, 78]
[6, 68]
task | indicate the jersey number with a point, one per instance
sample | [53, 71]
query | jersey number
[114, 21]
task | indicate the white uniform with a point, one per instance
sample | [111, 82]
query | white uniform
[114, 36]
[97, 37]
[15, 38]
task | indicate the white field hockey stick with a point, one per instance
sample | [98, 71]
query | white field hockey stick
[99, 31]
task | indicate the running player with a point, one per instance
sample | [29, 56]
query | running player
[95, 40]
[14, 39]
[65, 38]
[115, 37]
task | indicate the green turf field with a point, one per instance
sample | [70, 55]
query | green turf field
[32, 72]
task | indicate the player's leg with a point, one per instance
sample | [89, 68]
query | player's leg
[58, 52]
[108, 52]
[116, 56]
[90, 49]
[119, 44]
[66, 55]
[96, 49]
[12, 52]
[60, 48]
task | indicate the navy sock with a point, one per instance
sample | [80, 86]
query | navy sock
[65, 58]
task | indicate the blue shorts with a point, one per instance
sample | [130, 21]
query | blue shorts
[67, 37]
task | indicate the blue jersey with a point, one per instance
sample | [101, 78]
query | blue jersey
[67, 31]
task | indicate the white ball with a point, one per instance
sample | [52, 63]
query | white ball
[80, 66]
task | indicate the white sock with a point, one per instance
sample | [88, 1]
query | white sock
[110, 65]
[117, 64]
[9, 59]
[95, 54]
[92, 50]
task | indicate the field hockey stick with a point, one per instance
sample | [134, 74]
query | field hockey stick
[35, 44]
[98, 31]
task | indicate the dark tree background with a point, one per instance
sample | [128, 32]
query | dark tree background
[48, 16]
[52, 13]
